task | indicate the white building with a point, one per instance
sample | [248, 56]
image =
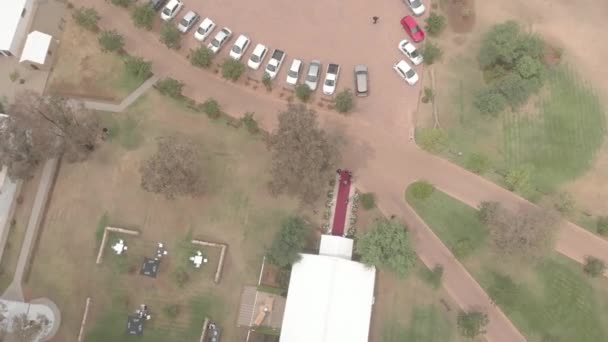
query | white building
[15, 17]
[330, 297]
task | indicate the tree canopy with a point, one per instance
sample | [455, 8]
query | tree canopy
[387, 244]
[288, 243]
[304, 156]
[472, 323]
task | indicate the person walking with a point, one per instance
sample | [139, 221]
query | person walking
[375, 19]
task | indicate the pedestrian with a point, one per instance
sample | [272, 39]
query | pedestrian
[375, 19]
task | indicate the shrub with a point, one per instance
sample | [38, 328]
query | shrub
[368, 200]
[518, 179]
[428, 96]
[431, 139]
[267, 82]
[170, 36]
[594, 267]
[471, 324]
[462, 247]
[303, 92]
[111, 41]
[202, 57]
[232, 69]
[122, 3]
[14, 75]
[170, 86]
[433, 277]
[138, 67]
[171, 310]
[602, 225]
[143, 16]
[478, 163]
[421, 190]
[212, 108]
[431, 53]
[435, 24]
[250, 123]
[345, 101]
[86, 17]
[489, 101]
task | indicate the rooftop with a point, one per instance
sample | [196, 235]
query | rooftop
[10, 15]
[36, 47]
[150, 267]
[336, 246]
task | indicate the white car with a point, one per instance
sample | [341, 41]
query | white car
[312, 77]
[220, 39]
[187, 21]
[239, 48]
[171, 9]
[204, 29]
[257, 56]
[275, 62]
[406, 72]
[416, 6]
[331, 78]
[410, 51]
[294, 72]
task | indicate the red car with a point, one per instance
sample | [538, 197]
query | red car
[411, 27]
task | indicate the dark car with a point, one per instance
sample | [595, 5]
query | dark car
[157, 4]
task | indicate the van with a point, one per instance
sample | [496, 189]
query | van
[361, 80]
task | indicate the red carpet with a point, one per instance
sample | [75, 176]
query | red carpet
[341, 204]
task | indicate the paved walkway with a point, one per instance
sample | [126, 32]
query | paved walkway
[124, 104]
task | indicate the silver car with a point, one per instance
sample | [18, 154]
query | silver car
[187, 21]
[361, 80]
[312, 77]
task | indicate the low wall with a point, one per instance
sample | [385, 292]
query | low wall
[220, 264]
[84, 319]
[104, 239]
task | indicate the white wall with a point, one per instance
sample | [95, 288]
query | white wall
[22, 28]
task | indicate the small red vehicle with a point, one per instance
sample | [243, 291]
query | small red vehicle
[411, 27]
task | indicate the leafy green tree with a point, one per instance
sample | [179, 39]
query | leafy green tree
[387, 244]
[602, 225]
[489, 101]
[499, 45]
[170, 36]
[594, 267]
[232, 69]
[518, 179]
[111, 41]
[515, 89]
[122, 3]
[303, 92]
[212, 108]
[472, 323]
[421, 190]
[431, 139]
[435, 24]
[250, 122]
[345, 101]
[202, 57]
[431, 53]
[170, 86]
[478, 163]
[288, 243]
[86, 17]
[138, 67]
[528, 67]
[143, 16]
[368, 200]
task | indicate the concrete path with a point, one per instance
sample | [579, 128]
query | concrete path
[124, 104]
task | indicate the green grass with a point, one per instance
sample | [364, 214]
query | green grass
[427, 324]
[125, 129]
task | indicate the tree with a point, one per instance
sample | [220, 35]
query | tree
[212, 108]
[45, 127]
[176, 169]
[421, 190]
[232, 69]
[594, 267]
[86, 17]
[472, 323]
[303, 154]
[143, 16]
[528, 67]
[518, 179]
[602, 225]
[478, 163]
[170, 36]
[111, 41]
[250, 123]
[435, 24]
[288, 243]
[202, 57]
[138, 67]
[515, 89]
[387, 244]
[488, 212]
[500, 45]
[267, 81]
[122, 3]
[431, 53]
[489, 101]
[170, 86]
[303, 92]
[431, 139]
[345, 101]
[368, 200]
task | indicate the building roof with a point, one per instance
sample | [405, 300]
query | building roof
[329, 300]
[36, 47]
[150, 267]
[337, 246]
[135, 325]
[10, 15]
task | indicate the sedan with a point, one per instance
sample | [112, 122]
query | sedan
[410, 51]
[294, 72]
[204, 29]
[239, 48]
[406, 72]
[416, 6]
[257, 56]
[187, 21]
[171, 9]
[413, 30]
[219, 40]
[312, 77]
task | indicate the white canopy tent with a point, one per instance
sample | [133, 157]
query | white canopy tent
[36, 47]
[337, 246]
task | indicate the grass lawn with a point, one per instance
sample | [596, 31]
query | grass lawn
[550, 298]
[236, 209]
[427, 323]
[82, 69]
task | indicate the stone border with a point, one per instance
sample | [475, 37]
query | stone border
[106, 232]
[205, 324]
[84, 319]
[220, 264]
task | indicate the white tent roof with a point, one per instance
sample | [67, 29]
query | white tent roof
[329, 300]
[10, 15]
[336, 246]
[36, 47]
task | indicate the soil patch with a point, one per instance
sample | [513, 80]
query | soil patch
[461, 15]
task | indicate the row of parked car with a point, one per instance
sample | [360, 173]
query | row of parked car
[411, 27]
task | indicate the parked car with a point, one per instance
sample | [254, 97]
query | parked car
[406, 72]
[171, 9]
[239, 47]
[361, 80]
[331, 79]
[157, 4]
[220, 39]
[312, 77]
[188, 21]
[294, 72]
[410, 51]
[416, 6]
[275, 62]
[413, 30]
[257, 56]
[204, 29]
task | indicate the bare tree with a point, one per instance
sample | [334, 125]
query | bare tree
[176, 169]
[303, 155]
[42, 127]
[25, 330]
